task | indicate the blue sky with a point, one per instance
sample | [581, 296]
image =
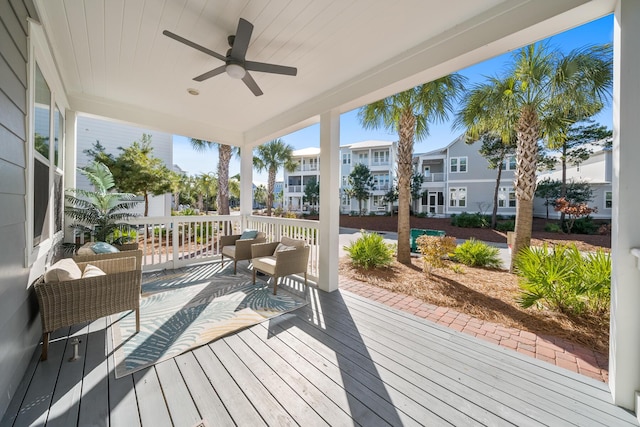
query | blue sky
[596, 32]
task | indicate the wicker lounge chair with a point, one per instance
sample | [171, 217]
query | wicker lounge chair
[239, 249]
[126, 250]
[67, 303]
[290, 258]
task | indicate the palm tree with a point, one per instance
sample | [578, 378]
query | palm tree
[409, 113]
[225, 152]
[541, 92]
[101, 212]
[269, 157]
[206, 185]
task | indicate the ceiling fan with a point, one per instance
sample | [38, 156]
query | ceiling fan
[235, 64]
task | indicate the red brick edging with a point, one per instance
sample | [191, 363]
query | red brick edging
[547, 348]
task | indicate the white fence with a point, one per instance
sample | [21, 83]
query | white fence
[176, 241]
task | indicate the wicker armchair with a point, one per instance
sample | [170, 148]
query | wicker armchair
[239, 249]
[291, 259]
[66, 303]
[126, 250]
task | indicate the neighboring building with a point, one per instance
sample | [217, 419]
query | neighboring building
[113, 135]
[380, 158]
[458, 179]
[596, 170]
[307, 169]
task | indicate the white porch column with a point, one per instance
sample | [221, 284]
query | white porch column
[329, 200]
[70, 159]
[624, 352]
[246, 183]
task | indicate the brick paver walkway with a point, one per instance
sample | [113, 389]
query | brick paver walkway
[549, 349]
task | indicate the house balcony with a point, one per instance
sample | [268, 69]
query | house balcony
[341, 360]
[435, 177]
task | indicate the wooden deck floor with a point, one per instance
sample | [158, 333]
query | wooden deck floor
[342, 360]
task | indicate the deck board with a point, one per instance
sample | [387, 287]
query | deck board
[341, 360]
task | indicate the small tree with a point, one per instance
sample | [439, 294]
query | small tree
[391, 196]
[260, 194]
[573, 211]
[551, 190]
[312, 192]
[360, 183]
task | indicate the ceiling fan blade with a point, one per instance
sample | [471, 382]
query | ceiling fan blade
[210, 74]
[194, 45]
[270, 68]
[251, 84]
[242, 39]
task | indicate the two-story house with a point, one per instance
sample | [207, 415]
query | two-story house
[380, 158]
[307, 170]
[457, 179]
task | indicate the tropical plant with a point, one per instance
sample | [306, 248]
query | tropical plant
[475, 253]
[260, 194]
[102, 212]
[470, 220]
[410, 113]
[225, 152]
[205, 186]
[370, 251]
[360, 185]
[541, 93]
[434, 250]
[135, 170]
[270, 157]
[564, 279]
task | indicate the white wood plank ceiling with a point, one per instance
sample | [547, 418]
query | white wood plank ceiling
[114, 60]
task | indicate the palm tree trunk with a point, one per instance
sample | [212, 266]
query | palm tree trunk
[494, 213]
[270, 185]
[525, 181]
[224, 152]
[406, 129]
[146, 204]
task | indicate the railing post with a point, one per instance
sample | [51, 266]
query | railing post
[175, 234]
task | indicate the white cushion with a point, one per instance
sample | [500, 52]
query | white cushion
[282, 248]
[86, 249]
[63, 270]
[266, 264]
[92, 271]
[296, 243]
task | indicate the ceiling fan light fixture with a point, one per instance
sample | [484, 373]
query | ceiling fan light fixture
[192, 91]
[235, 71]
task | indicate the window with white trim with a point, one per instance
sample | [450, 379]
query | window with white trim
[345, 181]
[346, 159]
[378, 201]
[363, 158]
[506, 197]
[345, 199]
[458, 197]
[608, 199]
[509, 164]
[381, 182]
[458, 164]
[381, 157]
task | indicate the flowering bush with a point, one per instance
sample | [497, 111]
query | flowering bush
[573, 211]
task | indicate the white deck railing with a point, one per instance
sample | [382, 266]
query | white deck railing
[176, 241]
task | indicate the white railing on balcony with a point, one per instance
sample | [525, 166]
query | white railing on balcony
[295, 188]
[175, 241]
[276, 228]
[435, 177]
[310, 167]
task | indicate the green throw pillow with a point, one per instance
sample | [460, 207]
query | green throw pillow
[104, 248]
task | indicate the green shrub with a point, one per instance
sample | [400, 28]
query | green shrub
[475, 253]
[505, 226]
[564, 279]
[370, 251]
[470, 220]
[584, 225]
[434, 249]
[552, 227]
